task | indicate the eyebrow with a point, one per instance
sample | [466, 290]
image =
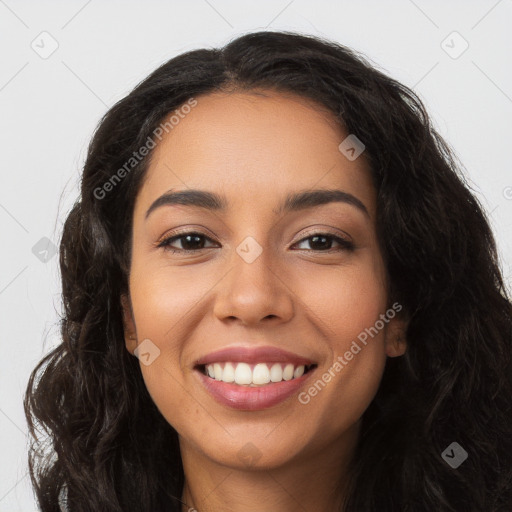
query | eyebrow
[293, 202]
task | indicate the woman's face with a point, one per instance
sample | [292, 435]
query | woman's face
[267, 285]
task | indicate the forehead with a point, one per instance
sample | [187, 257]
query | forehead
[254, 148]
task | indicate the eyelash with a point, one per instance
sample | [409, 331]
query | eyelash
[345, 244]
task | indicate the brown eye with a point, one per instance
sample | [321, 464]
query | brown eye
[193, 242]
[322, 242]
[190, 242]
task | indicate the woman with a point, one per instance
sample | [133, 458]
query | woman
[279, 295]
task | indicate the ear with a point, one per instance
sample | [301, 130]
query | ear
[396, 342]
[130, 335]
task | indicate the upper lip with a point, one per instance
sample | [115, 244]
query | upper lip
[266, 354]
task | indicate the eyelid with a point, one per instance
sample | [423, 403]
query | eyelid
[165, 242]
[319, 230]
[189, 230]
[314, 231]
[343, 239]
[345, 242]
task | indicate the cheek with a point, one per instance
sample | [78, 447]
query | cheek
[165, 300]
[343, 301]
[169, 393]
[166, 304]
[346, 305]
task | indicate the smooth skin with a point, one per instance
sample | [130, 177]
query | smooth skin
[309, 298]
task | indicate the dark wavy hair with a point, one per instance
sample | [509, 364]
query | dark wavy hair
[99, 443]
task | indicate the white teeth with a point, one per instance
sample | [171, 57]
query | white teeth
[276, 373]
[243, 374]
[261, 374]
[217, 371]
[299, 371]
[256, 375]
[228, 374]
[288, 372]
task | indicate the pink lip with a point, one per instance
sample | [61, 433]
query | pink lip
[253, 355]
[251, 398]
[246, 397]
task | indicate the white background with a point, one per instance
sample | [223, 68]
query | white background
[49, 108]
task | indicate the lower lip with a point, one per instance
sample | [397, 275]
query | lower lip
[252, 398]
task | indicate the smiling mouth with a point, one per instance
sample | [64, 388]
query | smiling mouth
[254, 375]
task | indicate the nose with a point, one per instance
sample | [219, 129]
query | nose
[253, 292]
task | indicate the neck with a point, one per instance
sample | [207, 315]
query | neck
[313, 481]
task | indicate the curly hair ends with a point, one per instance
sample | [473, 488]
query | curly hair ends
[98, 441]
